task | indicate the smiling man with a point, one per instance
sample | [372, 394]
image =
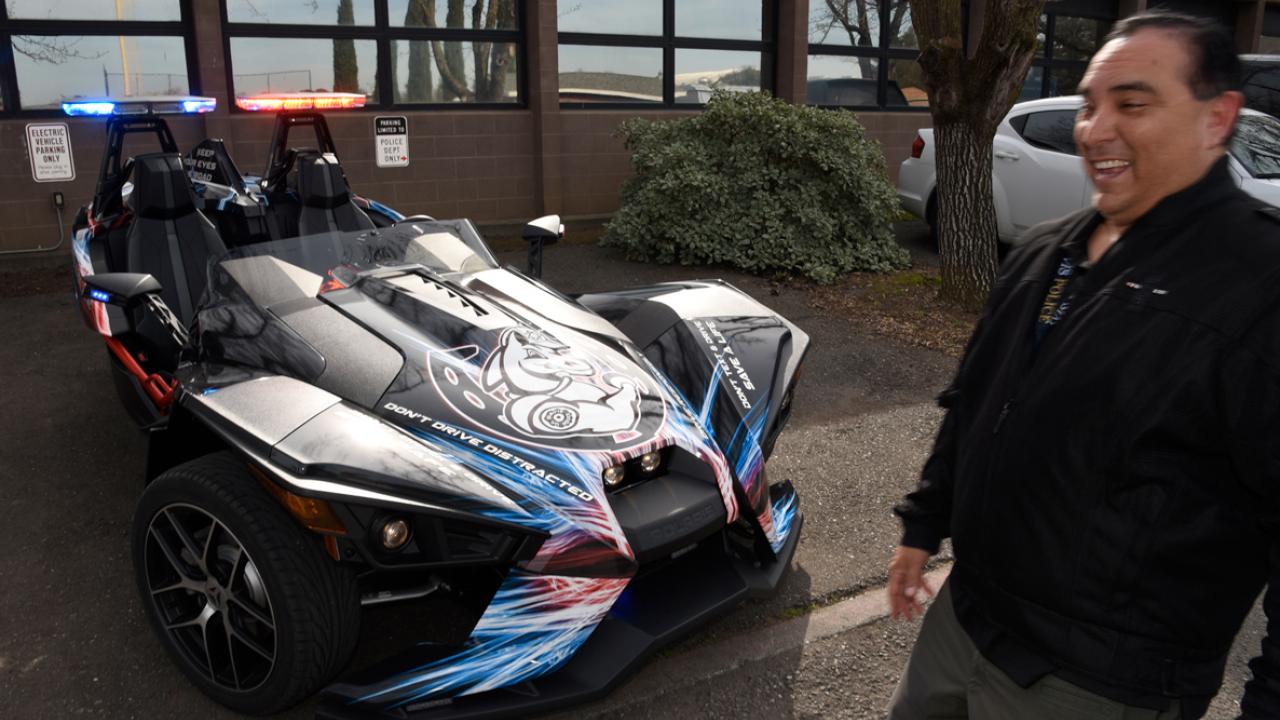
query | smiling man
[1108, 469]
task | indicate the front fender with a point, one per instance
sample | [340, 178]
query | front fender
[317, 445]
[732, 360]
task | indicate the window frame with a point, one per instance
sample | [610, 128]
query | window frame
[669, 43]
[1025, 120]
[183, 27]
[882, 53]
[382, 33]
[1049, 63]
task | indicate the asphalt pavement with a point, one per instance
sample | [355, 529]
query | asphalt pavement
[73, 639]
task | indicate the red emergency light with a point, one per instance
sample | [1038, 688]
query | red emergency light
[278, 102]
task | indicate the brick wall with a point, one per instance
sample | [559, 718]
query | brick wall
[491, 166]
[27, 216]
[895, 132]
[467, 164]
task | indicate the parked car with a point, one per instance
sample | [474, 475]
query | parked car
[852, 92]
[1037, 174]
[1260, 80]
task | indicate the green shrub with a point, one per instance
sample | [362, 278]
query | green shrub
[760, 184]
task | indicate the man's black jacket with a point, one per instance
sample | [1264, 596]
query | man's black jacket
[1113, 496]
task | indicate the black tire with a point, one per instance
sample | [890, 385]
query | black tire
[305, 604]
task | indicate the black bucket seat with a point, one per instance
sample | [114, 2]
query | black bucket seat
[169, 237]
[325, 197]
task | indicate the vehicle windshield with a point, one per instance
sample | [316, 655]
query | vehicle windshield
[444, 247]
[261, 299]
[1256, 145]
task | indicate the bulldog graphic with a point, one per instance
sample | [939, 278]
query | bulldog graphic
[551, 392]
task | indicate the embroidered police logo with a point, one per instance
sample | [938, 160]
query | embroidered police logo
[536, 389]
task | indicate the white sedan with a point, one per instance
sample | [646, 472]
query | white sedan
[1038, 176]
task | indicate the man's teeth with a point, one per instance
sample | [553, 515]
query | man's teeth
[1111, 164]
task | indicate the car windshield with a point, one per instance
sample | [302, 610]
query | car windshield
[1256, 145]
[444, 247]
[259, 297]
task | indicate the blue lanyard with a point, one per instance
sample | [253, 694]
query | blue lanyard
[1056, 302]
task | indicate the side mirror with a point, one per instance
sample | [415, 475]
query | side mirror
[539, 233]
[123, 289]
[127, 290]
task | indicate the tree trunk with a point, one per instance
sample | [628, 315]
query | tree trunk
[500, 55]
[480, 50]
[966, 220]
[454, 85]
[418, 85]
[346, 74]
[969, 94]
[456, 17]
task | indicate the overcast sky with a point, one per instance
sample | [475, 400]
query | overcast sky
[64, 67]
[93, 9]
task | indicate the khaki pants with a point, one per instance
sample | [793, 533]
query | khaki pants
[947, 677]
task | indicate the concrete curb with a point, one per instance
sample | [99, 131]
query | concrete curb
[704, 663]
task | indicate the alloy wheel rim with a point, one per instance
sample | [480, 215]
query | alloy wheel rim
[210, 597]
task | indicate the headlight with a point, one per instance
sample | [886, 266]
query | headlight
[614, 475]
[650, 461]
[394, 534]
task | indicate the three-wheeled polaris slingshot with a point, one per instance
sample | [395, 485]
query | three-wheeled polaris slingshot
[346, 407]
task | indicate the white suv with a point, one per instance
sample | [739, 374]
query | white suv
[1038, 176]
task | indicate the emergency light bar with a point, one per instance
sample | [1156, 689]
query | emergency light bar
[301, 101]
[156, 105]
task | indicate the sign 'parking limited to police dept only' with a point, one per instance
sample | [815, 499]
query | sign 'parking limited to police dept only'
[49, 145]
[391, 135]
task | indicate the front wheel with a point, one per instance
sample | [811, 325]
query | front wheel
[243, 599]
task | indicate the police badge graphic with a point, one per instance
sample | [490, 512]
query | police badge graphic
[536, 389]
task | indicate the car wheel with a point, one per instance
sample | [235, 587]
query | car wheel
[245, 600]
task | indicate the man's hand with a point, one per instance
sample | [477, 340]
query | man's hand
[906, 583]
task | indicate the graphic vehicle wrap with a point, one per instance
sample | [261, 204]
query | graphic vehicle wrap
[578, 481]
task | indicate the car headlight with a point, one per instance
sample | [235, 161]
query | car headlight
[650, 461]
[613, 476]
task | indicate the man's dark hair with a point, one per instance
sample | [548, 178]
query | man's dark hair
[1215, 67]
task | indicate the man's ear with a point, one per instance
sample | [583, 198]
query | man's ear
[1224, 110]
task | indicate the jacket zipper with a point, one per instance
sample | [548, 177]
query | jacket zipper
[1004, 413]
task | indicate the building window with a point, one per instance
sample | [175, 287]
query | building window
[672, 53]
[1065, 44]
[395, 52]
[1269, 42]
[862, 54]
[93, 49]
[276, 65]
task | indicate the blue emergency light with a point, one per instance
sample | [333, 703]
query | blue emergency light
[199, 105]
[100, 295]
[88, 108]
[156, 105]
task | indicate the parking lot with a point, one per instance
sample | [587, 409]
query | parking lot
[73, 640]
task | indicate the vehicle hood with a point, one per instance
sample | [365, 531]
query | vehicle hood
[530, 390]
[489, 369]
[476, 357]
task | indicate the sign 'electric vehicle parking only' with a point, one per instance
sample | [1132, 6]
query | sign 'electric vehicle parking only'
[50, 147]
[391, 135]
